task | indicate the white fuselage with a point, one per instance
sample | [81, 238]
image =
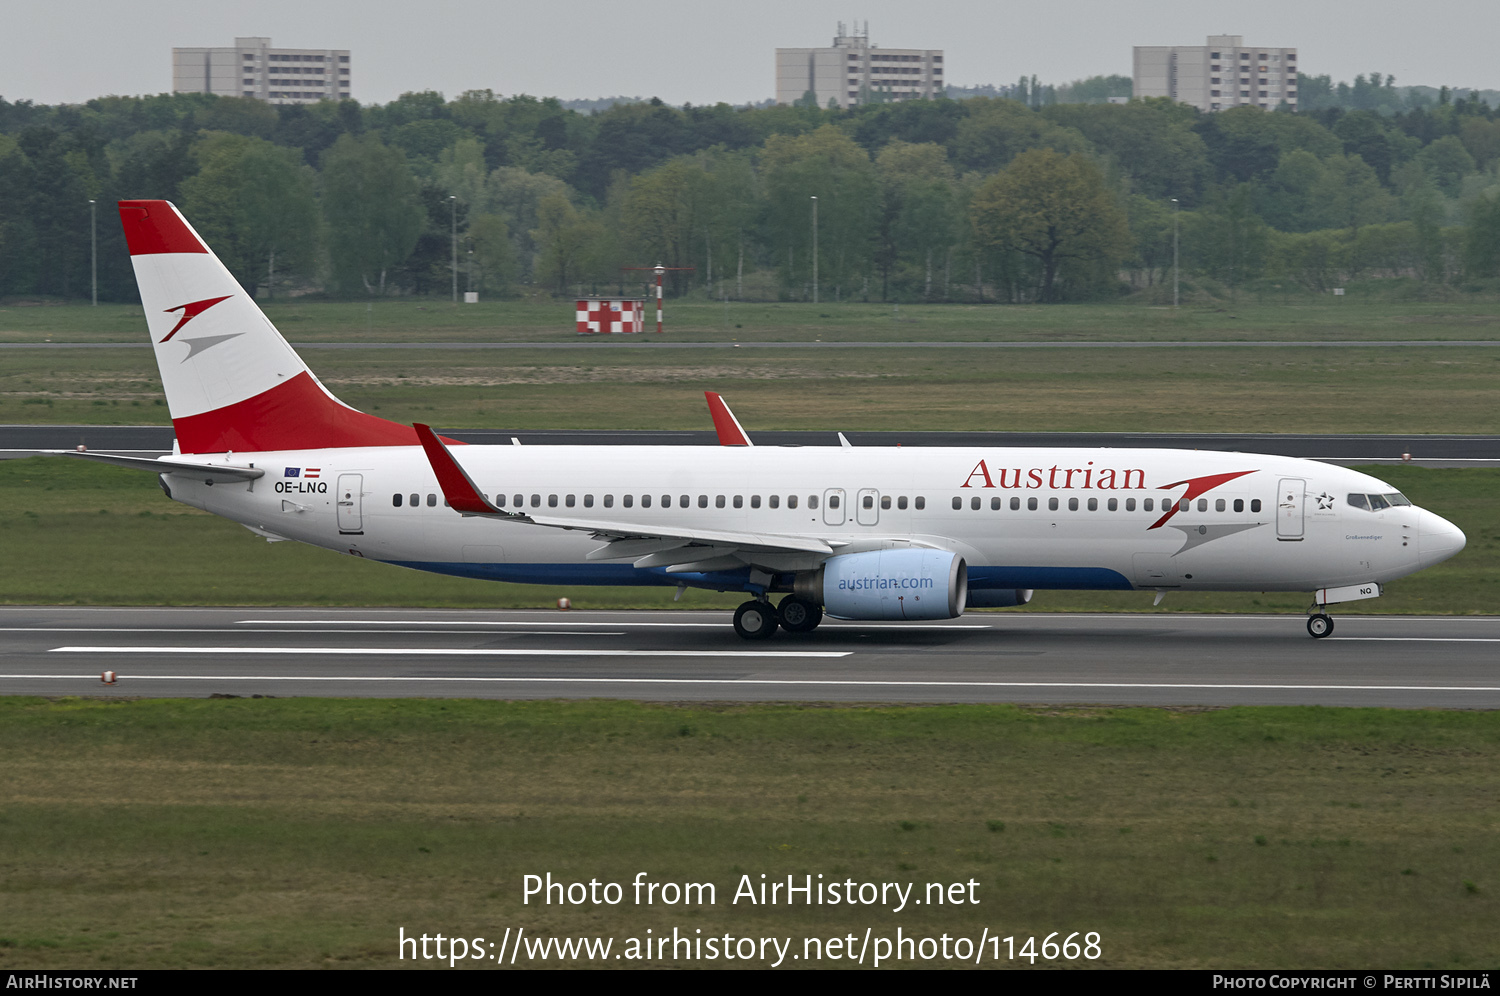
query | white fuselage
[1026, 518]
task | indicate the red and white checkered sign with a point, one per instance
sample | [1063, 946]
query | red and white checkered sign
[603, 316]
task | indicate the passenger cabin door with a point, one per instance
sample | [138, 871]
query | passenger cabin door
[1290, 498]
[833, 507]
[867, 507]
[350, 518]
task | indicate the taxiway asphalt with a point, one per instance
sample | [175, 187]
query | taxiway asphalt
[1347, 448]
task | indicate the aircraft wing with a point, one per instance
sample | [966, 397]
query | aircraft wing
[670, 546]
[209, 473]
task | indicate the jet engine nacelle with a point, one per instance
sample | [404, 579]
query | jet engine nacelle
[890, 584]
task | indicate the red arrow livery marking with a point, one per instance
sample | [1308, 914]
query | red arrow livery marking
[1195, 486]
[191, 311]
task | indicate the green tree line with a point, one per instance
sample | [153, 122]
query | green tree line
[975, 200]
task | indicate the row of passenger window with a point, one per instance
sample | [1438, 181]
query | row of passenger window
[1110, 504]
[647, 501]
[1375, 502]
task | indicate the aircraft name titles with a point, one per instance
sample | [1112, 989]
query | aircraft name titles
[1092, 478]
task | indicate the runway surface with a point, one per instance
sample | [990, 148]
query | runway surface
[1405, 662]
[1426, 450]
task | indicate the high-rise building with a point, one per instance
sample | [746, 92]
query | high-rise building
[252, 68]
[854, 72]
[1217, 76]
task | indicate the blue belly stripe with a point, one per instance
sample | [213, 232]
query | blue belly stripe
[1098, 578]
[1071, 578]
[602, 574]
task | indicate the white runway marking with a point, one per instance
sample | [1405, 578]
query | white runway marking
[776, 681]
[447, 652]
[336, 632]
[664, 625]
[461, 622]
[1420, 639]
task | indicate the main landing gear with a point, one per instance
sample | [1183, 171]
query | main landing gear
[1319, 624]
[797, 616]
[757, 620]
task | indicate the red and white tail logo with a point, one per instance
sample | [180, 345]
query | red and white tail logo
[191, 311]
[232, 381]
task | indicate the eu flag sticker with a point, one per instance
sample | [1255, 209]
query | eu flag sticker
[293, 472]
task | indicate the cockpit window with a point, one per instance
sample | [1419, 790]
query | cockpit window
[1377, 503]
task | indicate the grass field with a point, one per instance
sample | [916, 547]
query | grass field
[1342, 389]
[412, 320]
[1345, 389]
[76, 533]
[303, 833]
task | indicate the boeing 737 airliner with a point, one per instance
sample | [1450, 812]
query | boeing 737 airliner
[859, 532]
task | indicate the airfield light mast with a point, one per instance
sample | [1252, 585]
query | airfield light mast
[1175, 269]
[94, 248]
[660, 271]
[815, 249]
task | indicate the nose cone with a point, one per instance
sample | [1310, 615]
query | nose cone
[1437, 539]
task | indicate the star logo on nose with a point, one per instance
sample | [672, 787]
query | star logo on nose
[1325, 501]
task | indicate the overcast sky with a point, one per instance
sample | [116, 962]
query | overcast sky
[704, 51]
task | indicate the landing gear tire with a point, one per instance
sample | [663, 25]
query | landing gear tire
[797, 616]
[1319, 625]
[755, 620]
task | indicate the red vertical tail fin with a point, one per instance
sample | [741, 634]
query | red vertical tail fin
[232, 381]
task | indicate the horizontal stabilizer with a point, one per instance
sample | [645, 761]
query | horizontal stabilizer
[209, 473]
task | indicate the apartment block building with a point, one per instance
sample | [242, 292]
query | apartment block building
[854, 72]
[1224, 73]
[252, 68]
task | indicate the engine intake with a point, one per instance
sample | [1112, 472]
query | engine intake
[889, 584]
